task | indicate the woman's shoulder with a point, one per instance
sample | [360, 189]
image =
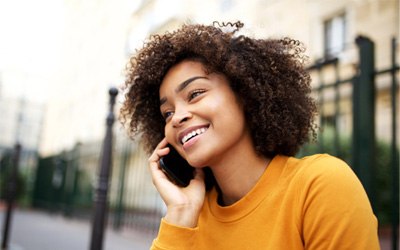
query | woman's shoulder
[334, 205]
[320, 162]
[322, 167]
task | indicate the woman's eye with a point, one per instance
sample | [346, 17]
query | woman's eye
[193, 94]
[167, 114]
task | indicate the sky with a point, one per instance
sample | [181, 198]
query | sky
[30, 44]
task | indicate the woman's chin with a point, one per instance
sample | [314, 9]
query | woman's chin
[197, 163]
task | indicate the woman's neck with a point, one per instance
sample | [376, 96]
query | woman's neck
[238, 174]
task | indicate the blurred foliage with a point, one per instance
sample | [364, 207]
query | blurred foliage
[382, 172]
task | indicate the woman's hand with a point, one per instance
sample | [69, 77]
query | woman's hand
[183, 203]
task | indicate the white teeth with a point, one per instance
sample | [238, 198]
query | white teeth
[192, 134]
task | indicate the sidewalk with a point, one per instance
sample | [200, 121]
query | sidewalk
[38, 230]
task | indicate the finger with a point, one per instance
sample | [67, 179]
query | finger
[154, 160]
[157, 154]
[162, 143]
[154, 164]
[159, 151]
[157, 175]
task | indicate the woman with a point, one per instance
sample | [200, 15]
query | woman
[240, 107]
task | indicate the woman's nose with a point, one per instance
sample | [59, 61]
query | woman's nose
[180, 116]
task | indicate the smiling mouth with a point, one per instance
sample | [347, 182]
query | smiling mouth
[193, 134]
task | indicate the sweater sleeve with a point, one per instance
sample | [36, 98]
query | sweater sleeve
[336, 210]
[171, 237]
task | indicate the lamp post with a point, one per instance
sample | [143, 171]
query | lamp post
[11, 193]
[100, 198]
[12, 181]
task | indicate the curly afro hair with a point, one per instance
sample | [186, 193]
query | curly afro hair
[268, 75]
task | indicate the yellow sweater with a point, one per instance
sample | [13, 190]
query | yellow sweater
[312, 203]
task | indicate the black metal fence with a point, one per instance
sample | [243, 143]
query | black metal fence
[348, 120]
[66, 182]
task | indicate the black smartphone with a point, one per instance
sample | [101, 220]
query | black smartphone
[177, 168]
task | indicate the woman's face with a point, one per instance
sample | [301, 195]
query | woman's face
[204, 118]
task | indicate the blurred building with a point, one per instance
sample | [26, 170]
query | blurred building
[21, 121]
[93, 60]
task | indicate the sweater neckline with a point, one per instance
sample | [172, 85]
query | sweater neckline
[251, 200]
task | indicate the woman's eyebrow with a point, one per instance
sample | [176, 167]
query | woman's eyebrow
[182, 86]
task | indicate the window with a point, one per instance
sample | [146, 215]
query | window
[334, 36]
